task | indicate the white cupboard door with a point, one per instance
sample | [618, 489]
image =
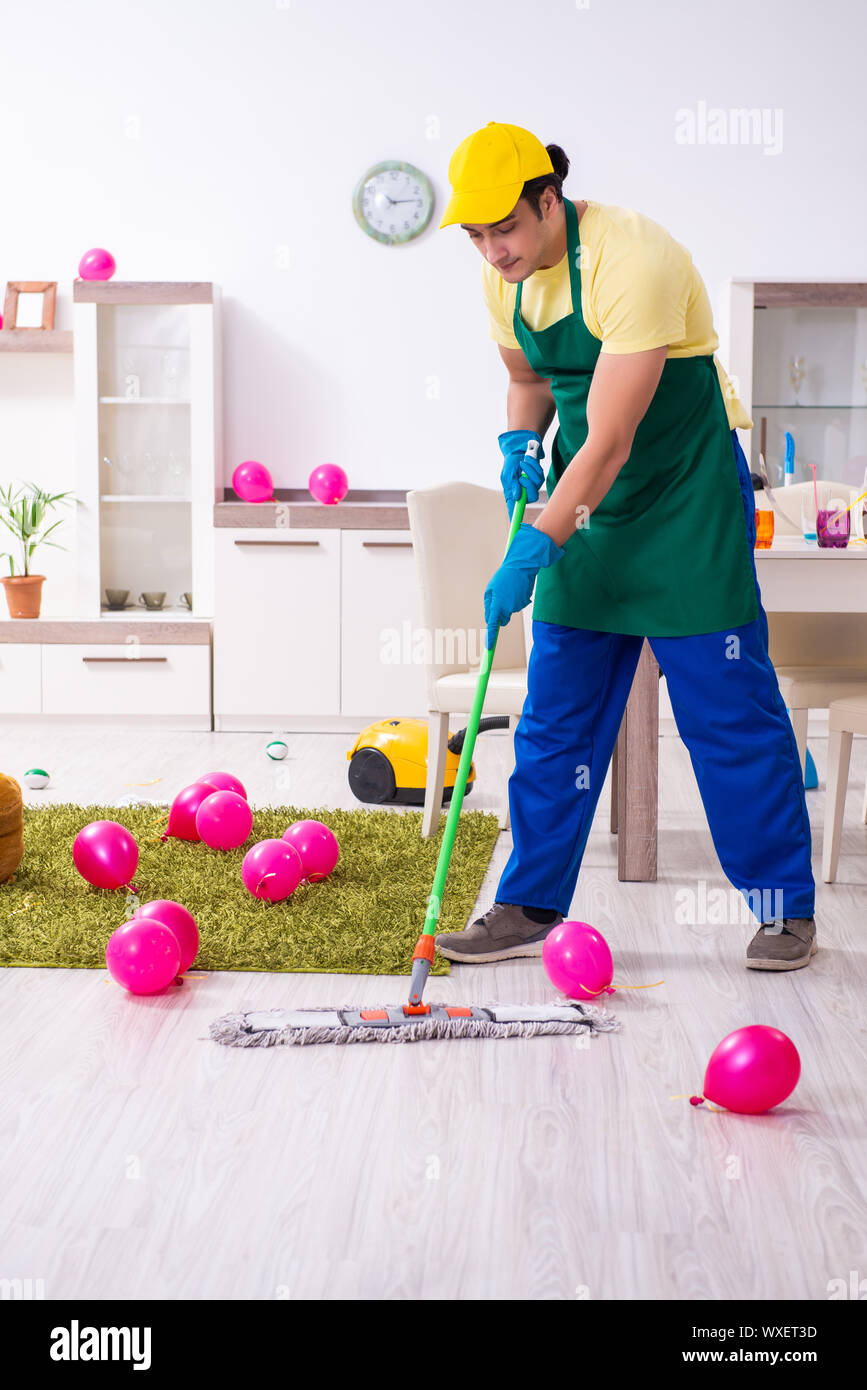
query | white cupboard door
[20, 678]
[382, 643]
[276, 622]
[126, 678]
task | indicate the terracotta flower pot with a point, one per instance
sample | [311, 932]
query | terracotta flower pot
[24, 594]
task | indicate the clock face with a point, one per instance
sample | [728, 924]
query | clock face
[393, 202]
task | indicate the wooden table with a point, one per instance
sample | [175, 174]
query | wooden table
[794, 577]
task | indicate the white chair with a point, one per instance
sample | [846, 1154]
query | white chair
[845, 718]
[459, 534]
[818, 657]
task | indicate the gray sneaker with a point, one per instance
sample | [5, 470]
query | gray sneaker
[503, 931]
[786, 944]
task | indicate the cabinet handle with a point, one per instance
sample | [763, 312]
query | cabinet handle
[127, 660]
[276, 542]
[390, 545]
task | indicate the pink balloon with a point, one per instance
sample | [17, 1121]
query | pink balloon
[105, 853]
[252, 482]
[224, 782]
[752, 1070]
[182, 816]
[272, 870]
[577, 960]
[143, 955]
[317, 846]
[96, 264]
[179, 921]
[328, 483]
[224, 820]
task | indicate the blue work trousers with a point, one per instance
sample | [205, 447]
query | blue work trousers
[732, 718]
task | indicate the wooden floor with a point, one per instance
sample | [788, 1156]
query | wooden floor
[140, 1160]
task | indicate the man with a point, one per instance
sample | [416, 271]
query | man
[648, 531]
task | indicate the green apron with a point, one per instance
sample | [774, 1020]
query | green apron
[666, 552]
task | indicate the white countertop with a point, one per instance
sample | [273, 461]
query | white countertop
[789, 546]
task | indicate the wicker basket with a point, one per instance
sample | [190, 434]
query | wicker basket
[11, 827]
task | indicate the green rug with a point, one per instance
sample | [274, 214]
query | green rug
[364, 919]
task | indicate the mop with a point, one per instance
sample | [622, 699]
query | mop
[416, 1021]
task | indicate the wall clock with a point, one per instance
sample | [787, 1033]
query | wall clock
[393, 202]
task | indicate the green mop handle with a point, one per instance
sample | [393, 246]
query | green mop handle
[424, 951]
[435, 899]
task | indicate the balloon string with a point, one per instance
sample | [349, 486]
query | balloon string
[612, 989]
[700, 1100]
[651, 986]
[27, 902]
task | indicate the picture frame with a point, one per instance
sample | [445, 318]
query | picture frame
[14, 288]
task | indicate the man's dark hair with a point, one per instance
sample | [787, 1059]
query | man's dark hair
[534, 188]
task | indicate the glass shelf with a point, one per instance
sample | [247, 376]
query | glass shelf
[142, 400]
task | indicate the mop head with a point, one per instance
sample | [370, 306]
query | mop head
[391, 1025]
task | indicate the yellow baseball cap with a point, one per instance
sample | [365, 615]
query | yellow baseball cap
[488, 170]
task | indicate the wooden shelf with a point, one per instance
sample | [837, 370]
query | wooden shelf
[819, 294]
[160, 629]
[35, 340]
[142, 292]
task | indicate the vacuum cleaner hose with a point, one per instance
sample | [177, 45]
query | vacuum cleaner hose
[493, 721]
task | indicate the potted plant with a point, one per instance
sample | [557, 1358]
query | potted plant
[24, 513]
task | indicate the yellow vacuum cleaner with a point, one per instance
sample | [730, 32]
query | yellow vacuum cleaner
[388, 761]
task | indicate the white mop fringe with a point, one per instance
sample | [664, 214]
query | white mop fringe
[233, 1030]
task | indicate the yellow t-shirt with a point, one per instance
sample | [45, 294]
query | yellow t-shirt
[639, 290]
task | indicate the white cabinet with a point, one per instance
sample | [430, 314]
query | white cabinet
[276, 625]
[126, 679]
[382, 651]
[317, 624]
[796, 354]
[20, 678]
[148, 441]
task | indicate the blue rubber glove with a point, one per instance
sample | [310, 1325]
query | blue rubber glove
[518, 470]
[510, 588]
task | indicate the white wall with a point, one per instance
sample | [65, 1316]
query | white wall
[197, 140]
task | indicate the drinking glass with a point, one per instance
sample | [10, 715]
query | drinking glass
[808, 516]
[149, 472]
[796, 374]
[832, 535]
[171, 372]
[764, 528]
[176, 474]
